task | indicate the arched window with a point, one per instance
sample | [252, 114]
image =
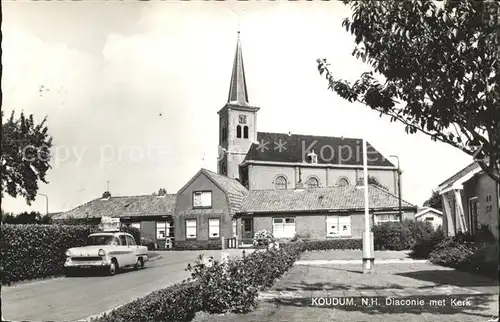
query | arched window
[342, 182]
[312, 182]
[245, 132]
[238, 131]
[280, 183]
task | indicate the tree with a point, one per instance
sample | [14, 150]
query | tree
[24, 218]
[438, 70]
[434, 201]
[25, 156]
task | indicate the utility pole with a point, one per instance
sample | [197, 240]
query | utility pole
[399, 188]
[46, 203]
[368, 248]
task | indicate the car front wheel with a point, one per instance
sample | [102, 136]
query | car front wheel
[113, 267]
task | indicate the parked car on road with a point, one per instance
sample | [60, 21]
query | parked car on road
[108, 251]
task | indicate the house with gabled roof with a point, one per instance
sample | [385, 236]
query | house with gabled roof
[470, 201]
[152, 214]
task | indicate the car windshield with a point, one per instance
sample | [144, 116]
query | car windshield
[102, 240]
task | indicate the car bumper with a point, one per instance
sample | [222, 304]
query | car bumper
[87, 264]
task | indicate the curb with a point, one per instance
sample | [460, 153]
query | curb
[359, 261]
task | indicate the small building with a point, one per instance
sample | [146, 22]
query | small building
[151, 214]
[470, 201]
[318, 213]
[204, 208]
[430, 215]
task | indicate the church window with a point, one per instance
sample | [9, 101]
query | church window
[280, 183]
[245, 132]
[238, 131]
[342, 182]
[312, 183]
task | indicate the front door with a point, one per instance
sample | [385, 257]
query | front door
[247, 235]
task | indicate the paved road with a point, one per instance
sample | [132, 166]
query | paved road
[77, 298]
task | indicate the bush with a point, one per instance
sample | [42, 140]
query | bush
[467, 253]
[224, 287]
[233, 286]
[329, 244]
[149, 242]
[136, 233]
[263, 238]
[394, 235]
[426, 244]
[179, 302]
[35, 251]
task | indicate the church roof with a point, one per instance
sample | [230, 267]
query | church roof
[234, 190]
[281, 147]
[334, 199]
[123, 206]
[238, 93]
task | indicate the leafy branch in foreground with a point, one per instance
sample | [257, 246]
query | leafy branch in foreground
[435, 69]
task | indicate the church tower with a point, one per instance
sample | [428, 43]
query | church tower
[237, 121]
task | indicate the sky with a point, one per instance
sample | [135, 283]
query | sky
[131, 90]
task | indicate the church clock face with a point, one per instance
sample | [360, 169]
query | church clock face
[243, 119]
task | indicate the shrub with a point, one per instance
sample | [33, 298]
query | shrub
[329, 244]
[393, 235]
[35, 251]
[426, 244]
[179, 302]
[224, 287]
[263, 238]
[148, 242]
[467, 253]
[136, 233]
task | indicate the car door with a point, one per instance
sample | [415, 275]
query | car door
[133, 246]
[131, 250]
[124, 257]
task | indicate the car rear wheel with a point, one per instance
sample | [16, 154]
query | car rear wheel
[139, 264]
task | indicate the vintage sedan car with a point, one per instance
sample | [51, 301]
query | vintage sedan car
[108, 251]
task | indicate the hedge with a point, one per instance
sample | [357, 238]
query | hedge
[36, 251]
[214, 288]
[400, 235]
[179, 302]
[329, 244]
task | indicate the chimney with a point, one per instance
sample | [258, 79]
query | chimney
[360, 184]
[106, 195]
[162, 192]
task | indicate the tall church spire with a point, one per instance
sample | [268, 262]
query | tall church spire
[238, 88]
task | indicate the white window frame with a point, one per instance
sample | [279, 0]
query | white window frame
[338, 226]
[161, 226]
[284, 229]
[388, 217]
[202, 199]
[213, 228]
[191, 229]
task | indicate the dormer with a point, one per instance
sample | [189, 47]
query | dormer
[312, 157]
